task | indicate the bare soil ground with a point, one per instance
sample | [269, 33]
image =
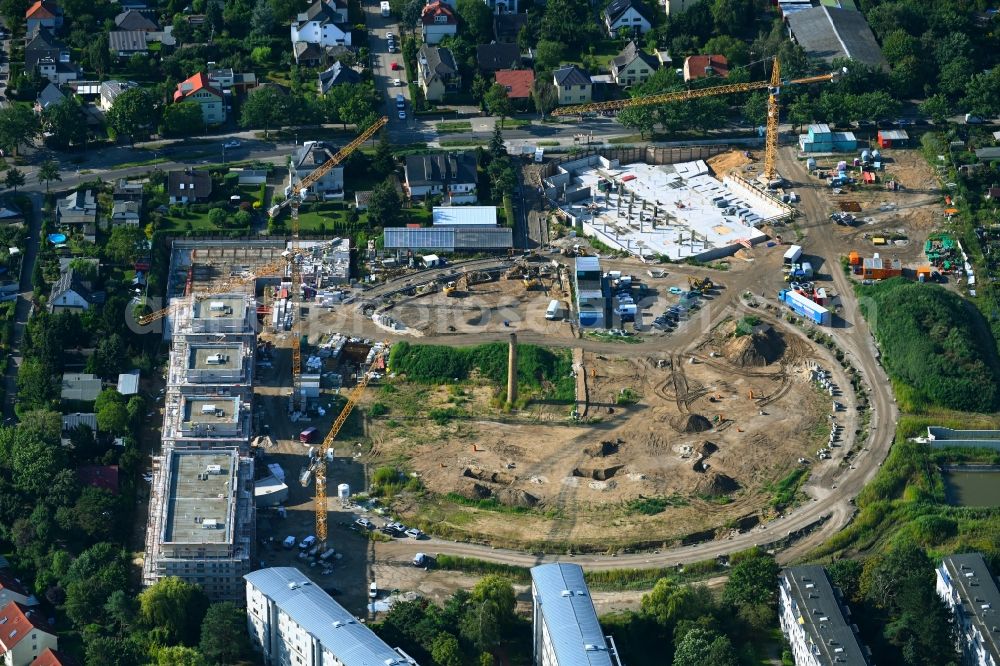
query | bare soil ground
[485, 307]
[726, 162]
[704, 438]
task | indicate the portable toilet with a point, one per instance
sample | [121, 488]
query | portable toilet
[923, 274]
[842, 166]
[344, 492]
[854, 259]
[811, 164]
[866, 155]
[876, 155]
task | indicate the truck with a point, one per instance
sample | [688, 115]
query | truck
[812, 311]
[308, 435]
[793, 254]
[384, 6]
[554, 311]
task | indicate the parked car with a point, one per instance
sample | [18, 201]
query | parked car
[307, 543]
[395, 66]
[372, 590]
[235, 143]
[397, 82]
[402, 115]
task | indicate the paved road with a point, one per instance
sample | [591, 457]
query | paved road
[22, 309]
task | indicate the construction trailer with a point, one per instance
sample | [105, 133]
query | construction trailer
[892, 138]
[802, 305]
[878, 268]
[793, 254]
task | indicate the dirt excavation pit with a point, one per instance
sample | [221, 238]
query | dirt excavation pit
[498, 305]
[704, 441]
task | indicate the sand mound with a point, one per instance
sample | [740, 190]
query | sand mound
[690, 423]
[515, 497]
[754, 350]
[715, 484]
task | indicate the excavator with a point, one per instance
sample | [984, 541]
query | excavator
[704, 284]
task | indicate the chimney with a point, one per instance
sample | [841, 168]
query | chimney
[512, 369]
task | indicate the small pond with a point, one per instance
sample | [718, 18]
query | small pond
[972, 486]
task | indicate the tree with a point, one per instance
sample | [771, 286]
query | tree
[18, 125]
[669, 603]
[755, 109]
[638, 117]
[217, 217]
[178, 655]
[14, 178]
[35, 384]
[96, 512]
[384, 205]
[752, 581]
[497, 102]
[735, 50]
[446, 651]
[410, 15]
[566, 22]
[497, 148]
[489, 612]
[224, 634]
[802, 111]
[937, 107]
[480, 86]
[383, 162]
[121, 608]
[262, 21]
[478, 20]
[548, 55]
[982, 95]
[133, 112]
[183, 119]
[544, 95]
[91, 580]
[64, 123]
[265, 107]
[699, 647]
[113, 419]
[261, 55]
[99, 54]
[114, 651]
[175, 608]
[122, 246]
[732, 17]
[49, 171]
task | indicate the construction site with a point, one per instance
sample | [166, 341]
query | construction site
[678, 211]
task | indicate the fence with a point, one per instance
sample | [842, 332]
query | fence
[647, 154]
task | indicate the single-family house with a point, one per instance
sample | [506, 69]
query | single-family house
[305, 160]
[323, 23]
[701, 66]
[493, 57]
[188, 186]
[314, 55]
[126, 43]
[632, 15]
[50, 96]
[126, 190]
[573, 85]
[12, 589]
[78, 210]
[437, 73]
[110, 90]
[134, 19]
[126, 213]
[42, 14]
[518, 83]
[506, 27]
[10, 215]
[71, 422]
[211, 100]
[50, 657]
[337, 75]
[47, 55]
[452, 175]
[632, 66]
[226, 80]
[827, 33]
[80, 387]
[500, 7]
[25, 635]
[71, 293]
[674, 7]
[437, 21]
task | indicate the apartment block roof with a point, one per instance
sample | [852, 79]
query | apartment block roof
[829, 32]
[339, 632]
[568, 613]
[980, 596]
[819, 611]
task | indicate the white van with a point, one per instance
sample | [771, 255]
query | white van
[554, 311]
[289, 542]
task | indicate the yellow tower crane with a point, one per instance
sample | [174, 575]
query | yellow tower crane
[318, 465]
[294, 200]
[773, 86]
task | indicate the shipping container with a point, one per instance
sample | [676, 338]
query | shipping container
[801, 305]
[307, 436]
[793, 254]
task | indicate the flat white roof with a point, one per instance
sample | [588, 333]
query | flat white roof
[455, 216]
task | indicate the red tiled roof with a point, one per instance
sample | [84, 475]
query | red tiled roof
[42, 10]
[517, 81]
[52, 657]
[437, 8]
[191, 85]
[694, 66]
[8, 582]
[99, 476]
[16, 622]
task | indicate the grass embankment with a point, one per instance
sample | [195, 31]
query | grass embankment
[942, 361]
[935, 346]
[542, 373]
[610, 580]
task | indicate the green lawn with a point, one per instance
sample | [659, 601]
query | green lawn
[191, 222]
[458, 143]
[453, 127]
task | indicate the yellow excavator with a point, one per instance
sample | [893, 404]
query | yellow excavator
[451, 289]
[702, 285]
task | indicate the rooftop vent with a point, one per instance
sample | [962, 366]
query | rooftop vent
[566, 593]
[293, 585]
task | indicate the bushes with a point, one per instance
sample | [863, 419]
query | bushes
[932, 340]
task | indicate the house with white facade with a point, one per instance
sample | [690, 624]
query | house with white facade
[291, 620]
[305, 160]
[78, 211]
[25, 635]
[632, 15]
[451, 175]
[110, 90]
[816, 620]
[12, 589]
[200, 89]
[437, 72]
[966, 585]
[565, 630]
[71, 293]
[42, 14]
[323, 23]
[437, 21]
[632, 66]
